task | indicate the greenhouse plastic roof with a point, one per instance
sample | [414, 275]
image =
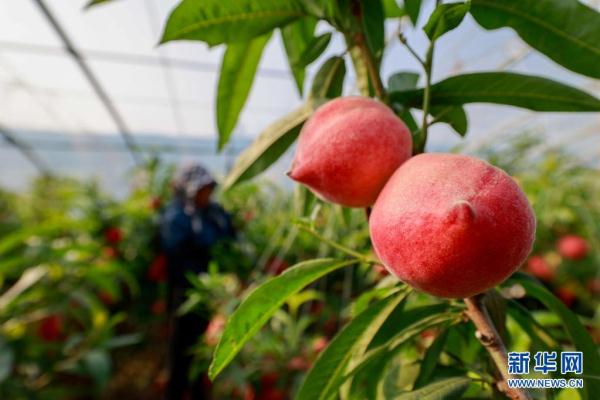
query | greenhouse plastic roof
[165, 95]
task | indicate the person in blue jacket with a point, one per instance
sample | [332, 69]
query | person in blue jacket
[190, 226]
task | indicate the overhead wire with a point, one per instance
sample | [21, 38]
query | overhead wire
[93, 81]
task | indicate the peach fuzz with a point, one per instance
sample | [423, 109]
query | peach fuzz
[348, 149]
[451, 225]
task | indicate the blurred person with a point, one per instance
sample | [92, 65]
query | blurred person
[190, 226]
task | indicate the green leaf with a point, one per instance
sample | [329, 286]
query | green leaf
[314, 49]
[268, 147]
[567, 31]
[391, 9]
[446, 389]
[536, 332]
[327, 374]
[260, 305]
[393, 340]
[445, 18]
[229, 21]
[238, 68]
[455, 116]
[296, 37]
[430, 360]
[329, 80]
[373, 26]
[526, 91]
[413, 9]
[405, 80]
[575, 330]
[402, 81]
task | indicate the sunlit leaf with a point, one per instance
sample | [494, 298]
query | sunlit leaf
[313, 50]
[326, 375]
[329, 80]
[296, 37]
[575, 330]
[567, 31]
[526, 91]
[238, 68]
[413, 9]
[444, 18]
[260, 305]
[268, 147]
[391, 9]
[229, 21]
[447, 389]
[373, 26]
[430, 360]
[455, 116]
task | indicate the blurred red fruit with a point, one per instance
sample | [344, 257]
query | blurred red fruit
[593, 285]
[214, 329]
[160, 382]
[157, 272]
[158, 307]
[155, 203]
[572, 247]
[428, 334]
[381, 270]
[249, 393]
[538, 267]
[298, 363]
[106, 298]
[110, 252]
[248, 216]
[316, 308]
[276, 265]
[50, 329]
[566, 295]
[271, 394]
[269, 380]
[113, 235]
[319, 344]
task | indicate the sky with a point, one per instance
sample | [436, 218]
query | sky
[168, 91]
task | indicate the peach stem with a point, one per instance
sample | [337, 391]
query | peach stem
[490, 339]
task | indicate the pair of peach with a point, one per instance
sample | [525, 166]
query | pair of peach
[450, 225]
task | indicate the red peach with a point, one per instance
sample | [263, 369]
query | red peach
[214, 329]
[566, 295]
[538, 267]
[349, 148]
[269, 380]
[593, 285]
[320, 344]
[572, 247]
[155, 203]
[298, 363]
[110, 252]
[451, 225]
[276, 266]
[113, 235]
[106, 298]
[157, 272]
[158, 307]
[50, 328]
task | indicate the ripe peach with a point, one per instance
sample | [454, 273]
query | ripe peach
[567, 295]
[51, 328]
[538, 267]
[572, 247]
[349, 148]
[451, 225]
